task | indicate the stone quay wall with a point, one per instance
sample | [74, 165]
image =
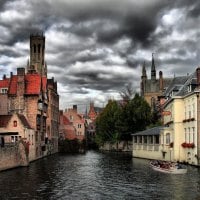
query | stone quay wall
[121, 146]
[13, 156]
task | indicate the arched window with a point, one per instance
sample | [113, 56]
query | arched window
[39, 48]
[15, 123]
[167, 138]
[34, 48]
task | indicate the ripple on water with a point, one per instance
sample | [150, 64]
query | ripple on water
[96, 176]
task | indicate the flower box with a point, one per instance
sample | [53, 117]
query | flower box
[187, 145]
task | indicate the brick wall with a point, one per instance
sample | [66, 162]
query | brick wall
[3, 104]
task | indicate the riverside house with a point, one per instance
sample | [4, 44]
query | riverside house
[178, 138]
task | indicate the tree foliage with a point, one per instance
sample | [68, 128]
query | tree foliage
[119, 121]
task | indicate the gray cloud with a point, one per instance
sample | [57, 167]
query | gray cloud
[95, 48]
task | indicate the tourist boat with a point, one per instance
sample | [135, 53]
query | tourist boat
[168, 167]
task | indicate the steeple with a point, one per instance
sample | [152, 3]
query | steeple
[153, 69]
[144, 74]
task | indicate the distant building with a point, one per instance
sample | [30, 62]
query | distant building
[66, 128]
[92, 114]
[72, 124]
[152, 88]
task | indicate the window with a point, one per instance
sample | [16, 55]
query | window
[135, 139]
[193, 134]
[193, 110]
[185, 134]
[39, 48]
[34, 48]
[15, 123]
[185, 112]
[71, 117]
[79, 125]
[4, 90]
[140, 139]
[189, 135]
[151, 139]
[189, 112]
[167, 138]
[157, 139]
[145, 139]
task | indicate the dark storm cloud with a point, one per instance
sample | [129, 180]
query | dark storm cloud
[95, 47]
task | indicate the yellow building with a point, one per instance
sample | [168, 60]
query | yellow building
[178, 139]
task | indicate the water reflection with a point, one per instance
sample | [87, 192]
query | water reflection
[96, 176]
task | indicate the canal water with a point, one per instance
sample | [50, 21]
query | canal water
[97, 176]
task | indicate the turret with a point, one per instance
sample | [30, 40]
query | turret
[143, 79]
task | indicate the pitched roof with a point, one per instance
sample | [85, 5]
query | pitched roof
[4, 83]
[151, 131]
[4, 119]
[13, 85]
[66, 121]
[33, 84]
[24, 121]
[176, 84]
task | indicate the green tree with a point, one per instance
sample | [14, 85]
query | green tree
[106, 123]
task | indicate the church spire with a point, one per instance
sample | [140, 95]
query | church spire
[144, 74]
[153, 69]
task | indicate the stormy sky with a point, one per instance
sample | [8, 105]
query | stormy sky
[94, 48]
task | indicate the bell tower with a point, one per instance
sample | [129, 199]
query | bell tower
[37, 54]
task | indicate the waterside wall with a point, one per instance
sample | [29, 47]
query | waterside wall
[13, 156]
[122, 146]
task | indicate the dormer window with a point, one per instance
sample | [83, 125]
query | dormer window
[189, 88]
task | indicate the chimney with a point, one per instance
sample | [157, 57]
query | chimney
[11, 74]
[75, 108]
[198, 76]
[4, 77]
[21, 71]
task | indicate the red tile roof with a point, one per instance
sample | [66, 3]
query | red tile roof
[32, 84]
[13, 85]
[66, 121]
[4, 83]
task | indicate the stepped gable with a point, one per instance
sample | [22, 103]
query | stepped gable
[4, 119]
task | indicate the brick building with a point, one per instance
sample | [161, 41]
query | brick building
[72, 124]
[31, 94]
